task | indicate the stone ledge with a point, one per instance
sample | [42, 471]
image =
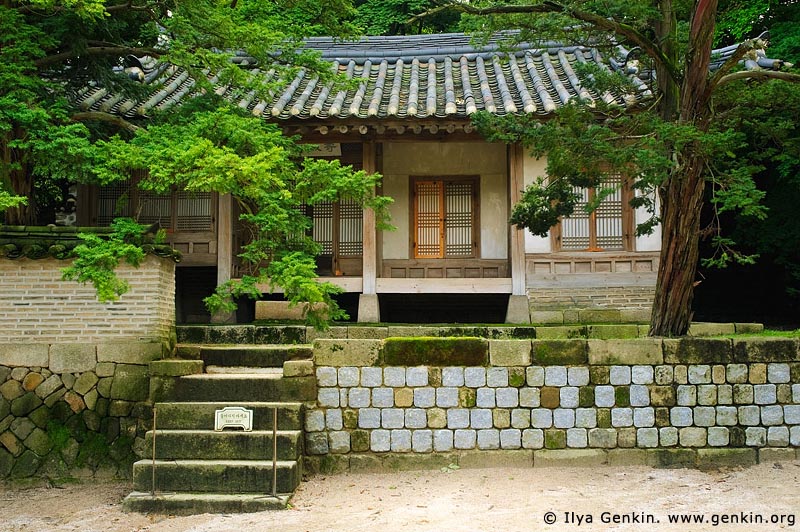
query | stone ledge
[704, 458]
[424, 351]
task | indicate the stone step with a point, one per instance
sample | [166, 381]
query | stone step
[200, 503]
[256, 356]
[240, 387]
[241, 334]
[244, 369]
[224, 445]
[215, 476]
[200, 415]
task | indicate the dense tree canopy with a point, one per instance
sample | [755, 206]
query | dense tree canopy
[673, 145]
[49, 50]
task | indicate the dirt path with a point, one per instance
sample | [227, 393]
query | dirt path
[504, 500]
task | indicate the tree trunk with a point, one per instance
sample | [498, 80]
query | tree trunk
[682, 194]
[680, 225]
[14, 175]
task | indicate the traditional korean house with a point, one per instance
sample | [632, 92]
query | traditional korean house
[453, 249]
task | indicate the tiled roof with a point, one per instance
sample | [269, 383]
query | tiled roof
[424, 76]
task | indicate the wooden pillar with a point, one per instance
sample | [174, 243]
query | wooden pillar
[224, 251]
[224, 238]
[518, 305]
[516, 183]
[368, 308]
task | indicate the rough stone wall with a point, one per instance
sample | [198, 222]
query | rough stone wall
[74, 377]
[77, 414]
[37, 306]
[561, 394]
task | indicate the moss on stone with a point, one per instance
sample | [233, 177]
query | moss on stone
[516, 377]
[676, 457]
[622, 396]
[461, 332]
[359, 441]
[350, 418]
[662, 417]
[604, 418]
[698, 351]
[555, 439]
[662, 395]
[559, 352]
[766, 350]
[467, 397]
[586, 396]
[599, 374]
[425, 351]
[737, 437]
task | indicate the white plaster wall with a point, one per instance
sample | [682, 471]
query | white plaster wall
[395, 243]
[651, 242]
[494, 216]
[533, 168]
[439, 159]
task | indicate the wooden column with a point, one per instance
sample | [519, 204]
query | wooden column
[518, 304]
[516, 183]
[368, 305]
[224, 238]
[370, 249]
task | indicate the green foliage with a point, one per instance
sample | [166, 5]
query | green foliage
[98, 257]
[8, 201]
[51, 49]
[390, 17]
[59, 435]
[220, 148]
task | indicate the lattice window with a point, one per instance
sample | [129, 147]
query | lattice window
[194, 211]
[351, 225]
[444, 218]
[429, 214]
[175, 211]
[607, 228]
[338, 228]
[113, 201]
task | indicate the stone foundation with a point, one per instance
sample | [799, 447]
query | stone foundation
[74, 373]
[607, 304]
[683, 396]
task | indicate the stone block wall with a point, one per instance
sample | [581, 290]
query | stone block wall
[74, 373]
[542, 395]
[37, 306]
[612, 304]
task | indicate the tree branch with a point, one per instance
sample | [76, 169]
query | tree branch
[760, 74]
[127, 6]
[731, 62]
[95, 50]
[97, 116]
[618, 28]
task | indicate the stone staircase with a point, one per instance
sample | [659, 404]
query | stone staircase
[198, 469]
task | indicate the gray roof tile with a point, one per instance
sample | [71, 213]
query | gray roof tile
[436, 76]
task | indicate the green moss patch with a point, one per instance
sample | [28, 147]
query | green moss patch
[559, 352]
[425, 351]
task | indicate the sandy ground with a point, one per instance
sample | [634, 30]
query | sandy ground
[456, 500]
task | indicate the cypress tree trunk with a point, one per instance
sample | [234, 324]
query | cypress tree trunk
[15, 178]
[681, 203]
[682, 195]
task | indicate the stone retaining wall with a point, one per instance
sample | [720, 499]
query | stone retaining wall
[608, 304]
[74, 373]
[689, 394]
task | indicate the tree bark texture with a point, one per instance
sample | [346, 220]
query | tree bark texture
[16, 179]
[681, 204]
[682, 195]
